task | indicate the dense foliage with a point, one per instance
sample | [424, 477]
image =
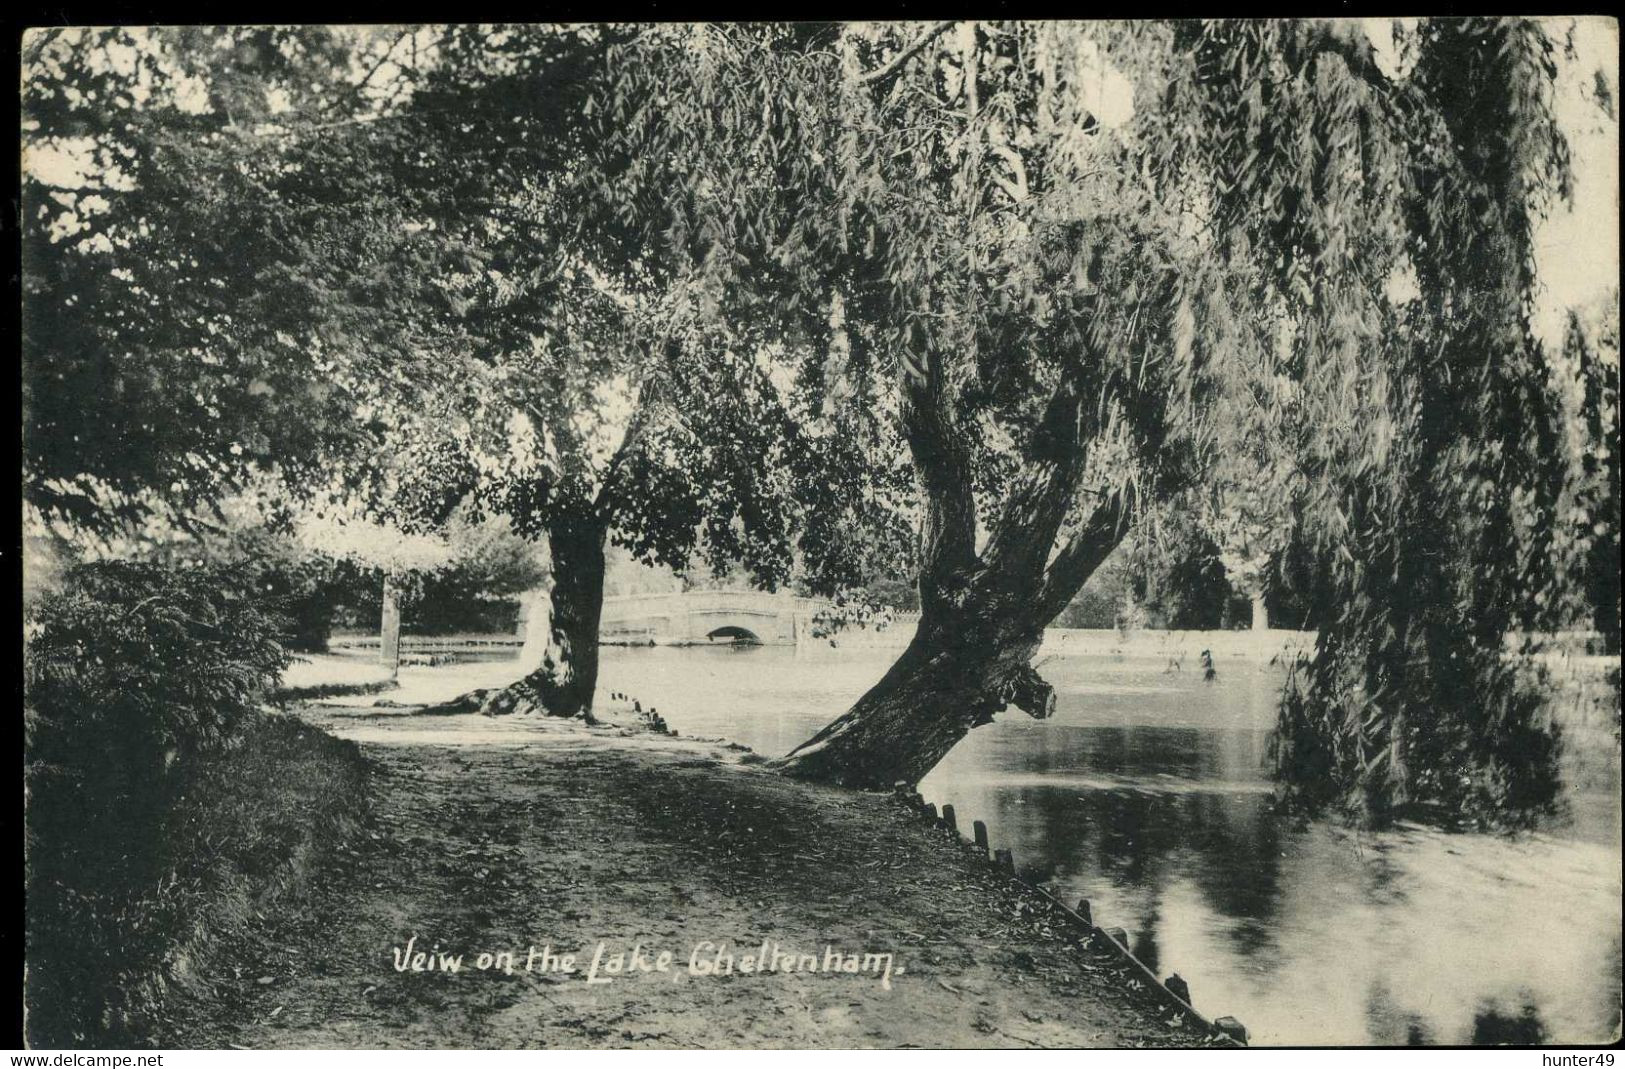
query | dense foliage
[970, 299]
[1102, 267]
[1441, 506]
[476, 590]
[154, 787]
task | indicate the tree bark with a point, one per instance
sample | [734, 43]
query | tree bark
[389, 629]
[952, 677]
[564, 683]
[1261, 612]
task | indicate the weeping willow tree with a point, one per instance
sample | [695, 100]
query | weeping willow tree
[1441, 527]
[1092, 262]
[956, 216]
[1077, 270]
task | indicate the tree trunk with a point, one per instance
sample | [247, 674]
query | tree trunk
[389, 629]
[563, 685]
[1261, 612]
[569, 672]
[952, 677]
[982, 614]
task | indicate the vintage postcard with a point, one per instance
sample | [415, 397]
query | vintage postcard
[821, 535]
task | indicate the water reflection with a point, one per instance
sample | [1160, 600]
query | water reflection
[1491, 1027]
[1147, 795]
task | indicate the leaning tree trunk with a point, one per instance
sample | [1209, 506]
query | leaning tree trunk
[982, 614]
[955, 674]
[563, 684]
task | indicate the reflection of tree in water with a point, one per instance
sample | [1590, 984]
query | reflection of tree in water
[1100, 837]
[1493, 1028]
[1390, 1026]
[1384, 880]
[1236, 843]
[1138, 841]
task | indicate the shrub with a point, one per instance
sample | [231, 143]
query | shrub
[137, 665]
[304, 587]
[159, 796]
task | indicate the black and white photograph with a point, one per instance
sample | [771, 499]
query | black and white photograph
[821, 535]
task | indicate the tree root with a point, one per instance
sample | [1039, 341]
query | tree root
[516, 698]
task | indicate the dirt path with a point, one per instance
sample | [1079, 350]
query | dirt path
[502, 834]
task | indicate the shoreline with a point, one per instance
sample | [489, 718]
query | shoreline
[1583, 648]
[494, 835]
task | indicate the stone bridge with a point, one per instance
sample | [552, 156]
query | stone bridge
[702, 616]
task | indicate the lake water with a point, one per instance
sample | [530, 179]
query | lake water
[1146, 794]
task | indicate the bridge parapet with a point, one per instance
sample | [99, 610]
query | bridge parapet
[708, 600]
[699, 615]
[772, 618]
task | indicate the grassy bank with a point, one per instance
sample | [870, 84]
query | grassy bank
[126, 910]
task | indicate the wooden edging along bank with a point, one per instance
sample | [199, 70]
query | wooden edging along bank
[1227, 1031]
[1223, 1031]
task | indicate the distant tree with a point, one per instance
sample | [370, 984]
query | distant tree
[1099, 604]
[487, 567]
[1594, 350]
[1184, 580]
[895, 594]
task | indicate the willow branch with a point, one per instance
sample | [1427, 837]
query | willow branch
[1084, 552]
[938, 447]
[891, 66]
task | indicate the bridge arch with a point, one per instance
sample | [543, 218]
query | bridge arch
[737, 634]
